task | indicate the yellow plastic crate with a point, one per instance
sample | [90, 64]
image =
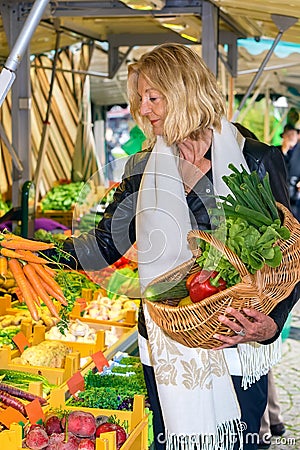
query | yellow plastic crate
[137, 421]
[137, 425]
[55, 376]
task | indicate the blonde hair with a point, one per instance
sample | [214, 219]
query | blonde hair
[194, 101]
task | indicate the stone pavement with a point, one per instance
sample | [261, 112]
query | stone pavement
[288, 387]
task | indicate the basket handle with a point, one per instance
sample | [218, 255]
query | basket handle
[237, 263]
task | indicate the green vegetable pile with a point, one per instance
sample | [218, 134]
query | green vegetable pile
[71, 283]
[47, 236]
[4, 206]
[252, 226]
[64, 196]
[6, 335]
[22, 379]
[124, 281]
[112, 389]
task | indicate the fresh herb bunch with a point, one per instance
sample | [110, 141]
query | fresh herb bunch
[134, 381]
[104, 397]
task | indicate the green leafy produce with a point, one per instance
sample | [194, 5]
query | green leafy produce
[124, 281]
[113, 389]
[6, 336]
[46, 236]
[22, 379]
[252, 226]
[64, 196]
[71, 283]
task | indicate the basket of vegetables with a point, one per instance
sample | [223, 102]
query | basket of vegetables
[257, 265]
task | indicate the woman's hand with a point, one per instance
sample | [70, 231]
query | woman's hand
[260, 328]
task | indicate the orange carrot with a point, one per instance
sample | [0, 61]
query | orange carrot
[19, 295]
[26, 244]
[50, 271]
[3, 266]
[25, 255]
[32, 257]
[17, 271]
[40, 269]
[36, 283]
[53, 293]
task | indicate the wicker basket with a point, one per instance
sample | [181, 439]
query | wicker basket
[194, 325]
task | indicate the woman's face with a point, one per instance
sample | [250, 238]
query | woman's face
[152, 105]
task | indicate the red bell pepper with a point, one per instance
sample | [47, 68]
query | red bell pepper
[203, 284]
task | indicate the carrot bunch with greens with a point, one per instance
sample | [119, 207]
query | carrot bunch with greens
[35, 280]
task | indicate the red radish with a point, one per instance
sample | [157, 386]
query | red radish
[82, 424]
[121, 435]
[53, 425]
[71, 444]
[57, 442]
[37, 438]
[86, 444]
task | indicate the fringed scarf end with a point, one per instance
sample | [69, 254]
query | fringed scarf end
[227, 434]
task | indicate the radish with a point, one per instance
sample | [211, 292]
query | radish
[82, 424]
[121, 435]
[37, 438]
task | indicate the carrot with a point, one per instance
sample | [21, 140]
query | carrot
[17, 271]
[26, 244]
[40, 269]
[9, 400]
[24, 255]
[19, 295]
[36, 283]
[10, 253]
[3, 266]
[54, 294]
[50, 271]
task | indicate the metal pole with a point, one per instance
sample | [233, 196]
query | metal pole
[45, 133]
[257, 75]
[7, 75]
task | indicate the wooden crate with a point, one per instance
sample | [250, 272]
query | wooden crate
[63, 217]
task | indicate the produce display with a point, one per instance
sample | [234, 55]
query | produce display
[72, 430]
[35, 280]
[45, 354]
[78, 331]
[105, 308]
[114, 388]
[248, 224]
[64, 196]
[22, 380]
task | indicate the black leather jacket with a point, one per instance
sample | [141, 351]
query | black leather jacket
[116, 231]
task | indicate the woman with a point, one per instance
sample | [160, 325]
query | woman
[165, 191]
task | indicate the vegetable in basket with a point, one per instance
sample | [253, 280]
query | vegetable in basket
[203, 284]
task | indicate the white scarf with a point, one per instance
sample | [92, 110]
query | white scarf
[190, 381]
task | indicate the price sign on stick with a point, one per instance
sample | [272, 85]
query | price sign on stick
[100, 360]
[34, 411]
[21, 341]
[11, 415]
[76, 383]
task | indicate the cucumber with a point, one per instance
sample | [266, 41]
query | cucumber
[165, 290]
